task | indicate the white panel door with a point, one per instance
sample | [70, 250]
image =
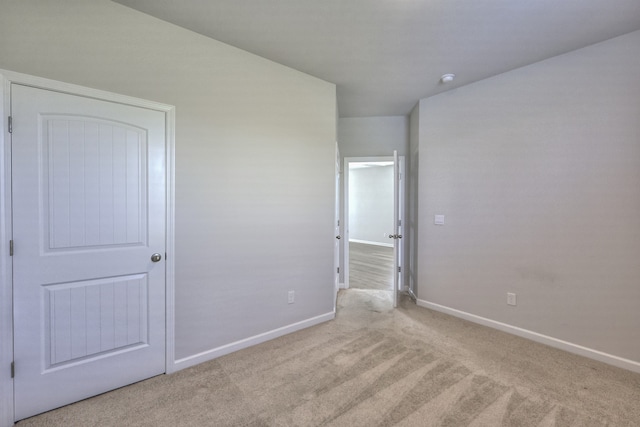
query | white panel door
[336, 230]
[400, 222]
[396, 227]
[88, 213]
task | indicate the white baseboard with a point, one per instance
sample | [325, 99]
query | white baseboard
[341, 286]
[534, 336]
[205, 356]
[368, 242]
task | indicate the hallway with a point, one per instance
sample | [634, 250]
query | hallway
[370, 266]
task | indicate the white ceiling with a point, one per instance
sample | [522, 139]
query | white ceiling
[385, 55]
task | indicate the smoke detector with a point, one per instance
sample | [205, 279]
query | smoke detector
[446, 78]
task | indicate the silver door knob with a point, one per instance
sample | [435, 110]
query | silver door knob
[338, 237]
[392, 236]
[156, 257]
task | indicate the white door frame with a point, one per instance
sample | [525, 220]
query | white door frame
[345, 225]
[6, 273]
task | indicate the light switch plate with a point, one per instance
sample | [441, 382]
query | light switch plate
[439, 220]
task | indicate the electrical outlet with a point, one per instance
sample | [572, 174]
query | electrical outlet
[292, 297]
[511, 298]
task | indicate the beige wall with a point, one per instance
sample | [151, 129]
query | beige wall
[413, 197]
[371, 204]
[255, 156]
[537, 172]
[373, 136]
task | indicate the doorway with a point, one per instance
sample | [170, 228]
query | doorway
[373, 222]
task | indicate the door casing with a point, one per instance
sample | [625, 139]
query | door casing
[6, 273]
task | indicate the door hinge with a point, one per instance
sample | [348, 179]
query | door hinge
[10, 247]
[13, 369]
[338, 270]
[10, 124]
[399, 269]
[399, 223]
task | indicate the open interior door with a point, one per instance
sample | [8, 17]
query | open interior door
[396, 228]
[336, 225]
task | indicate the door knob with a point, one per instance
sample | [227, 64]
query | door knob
[338, 237]
[156, 257]
[392, 236]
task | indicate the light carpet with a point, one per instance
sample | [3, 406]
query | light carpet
[375, 366]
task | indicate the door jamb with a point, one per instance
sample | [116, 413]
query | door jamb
[6, 289]
[6, 272]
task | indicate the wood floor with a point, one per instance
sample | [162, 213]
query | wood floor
[370, 267]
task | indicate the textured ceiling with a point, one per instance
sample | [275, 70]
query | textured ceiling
[385, 55]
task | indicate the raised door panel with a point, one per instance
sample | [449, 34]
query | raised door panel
[89, 319]
[95, 183]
